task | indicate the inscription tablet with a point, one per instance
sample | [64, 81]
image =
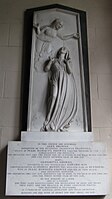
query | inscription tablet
[55, 168]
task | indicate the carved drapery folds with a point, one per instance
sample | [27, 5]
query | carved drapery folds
[62, 101]
[58, 71]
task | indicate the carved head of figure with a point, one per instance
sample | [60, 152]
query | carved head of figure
[57, 24]
[63, 51]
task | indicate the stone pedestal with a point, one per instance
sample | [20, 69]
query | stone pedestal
[57, 136]
[41, 165]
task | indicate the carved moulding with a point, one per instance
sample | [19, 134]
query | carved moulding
[55, 87]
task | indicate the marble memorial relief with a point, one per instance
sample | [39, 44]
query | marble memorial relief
[57, 155]
[56, 94]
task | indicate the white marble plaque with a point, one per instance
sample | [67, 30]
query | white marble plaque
[58, 136]
[56, 168]
[57, 100]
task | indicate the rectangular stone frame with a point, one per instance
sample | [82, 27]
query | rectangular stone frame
[27, 43]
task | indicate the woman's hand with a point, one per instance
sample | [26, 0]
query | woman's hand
[68, 61]
[51, 59]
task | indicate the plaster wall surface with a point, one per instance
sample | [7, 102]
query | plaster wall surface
[99, 20]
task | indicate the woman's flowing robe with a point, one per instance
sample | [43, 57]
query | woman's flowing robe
[62, 102]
